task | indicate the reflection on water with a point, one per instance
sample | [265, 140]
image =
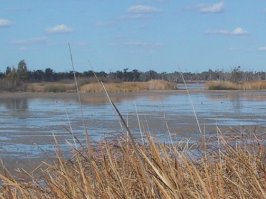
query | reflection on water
[236, 104]
[15, 104]
[241, 100]
[191, 86]
[27, 122]
[96, 100]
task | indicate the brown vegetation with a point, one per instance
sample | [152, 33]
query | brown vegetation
[129, 170]
[88, 86]
[51, 87]
[227, 85]
[128, 86]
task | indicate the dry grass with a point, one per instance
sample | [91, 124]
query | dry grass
[128, 86]
[126, 170]
[51, 87]
[95, 87]
[227, 85]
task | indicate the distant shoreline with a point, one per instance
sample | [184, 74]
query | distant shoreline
[26, 94]
[228, 85]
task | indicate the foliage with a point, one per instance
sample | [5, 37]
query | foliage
[22, 71]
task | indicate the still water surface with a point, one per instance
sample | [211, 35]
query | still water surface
[29, 123]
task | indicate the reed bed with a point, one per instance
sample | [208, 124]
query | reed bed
[51, 87]
[128, 86]
[125, 169]
[95, 87]
[227, 85]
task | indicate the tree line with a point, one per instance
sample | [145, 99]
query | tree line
[15, 77]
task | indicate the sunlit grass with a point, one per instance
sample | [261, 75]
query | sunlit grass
[153, 170]
[94, 87]
[128, 86]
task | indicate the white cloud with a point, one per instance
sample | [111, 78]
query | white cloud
[142, 9]
[5, 22]
[61, 28]
[238, 31]
[137, 12]
[211, 8]
[143, 44]
[262, 48]
[135, 16]
[32, 41]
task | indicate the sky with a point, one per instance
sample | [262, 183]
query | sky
[160, 35]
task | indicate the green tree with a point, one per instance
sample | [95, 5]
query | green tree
[22, 70]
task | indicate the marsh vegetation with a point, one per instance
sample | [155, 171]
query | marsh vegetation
[219, 168]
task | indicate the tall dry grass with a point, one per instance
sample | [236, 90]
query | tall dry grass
[128, 86]
[154, 170]
[50, 87]
[227, 85]
[92, 86]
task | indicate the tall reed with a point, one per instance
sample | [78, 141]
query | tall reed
[154, 170]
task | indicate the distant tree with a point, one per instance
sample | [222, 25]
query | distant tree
[236, 75]
[89, 73]
[38, 75]
[48, 73]
[2, 75]
[13, 75]
[136, 75]
[22, 70]
[8, 70]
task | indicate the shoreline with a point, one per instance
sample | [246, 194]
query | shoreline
[102, 94]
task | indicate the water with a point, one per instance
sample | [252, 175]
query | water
[30, 124]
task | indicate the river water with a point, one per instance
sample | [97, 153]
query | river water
[30, 123]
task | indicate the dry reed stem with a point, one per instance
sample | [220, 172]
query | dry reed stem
[164, 171]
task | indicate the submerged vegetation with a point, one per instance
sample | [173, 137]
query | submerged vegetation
[154, 170]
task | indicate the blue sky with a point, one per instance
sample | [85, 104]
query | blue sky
[162, 35]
